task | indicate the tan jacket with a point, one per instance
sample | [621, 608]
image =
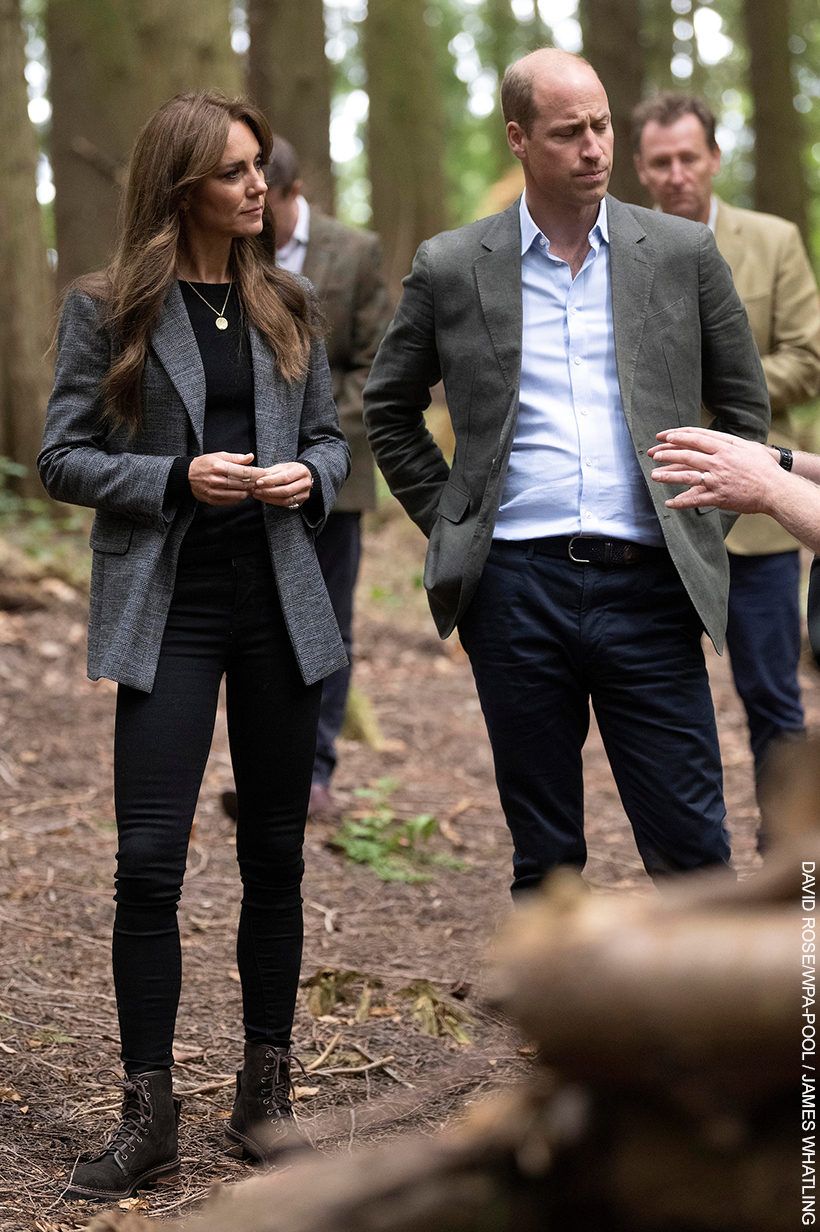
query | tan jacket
[773, 277]
[344, 265]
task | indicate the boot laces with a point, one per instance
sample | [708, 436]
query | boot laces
[136, 1111]
[277, 1083]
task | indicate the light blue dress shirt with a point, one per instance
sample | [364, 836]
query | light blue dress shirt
[572, 467]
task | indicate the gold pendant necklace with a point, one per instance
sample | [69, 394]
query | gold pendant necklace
[221, 319]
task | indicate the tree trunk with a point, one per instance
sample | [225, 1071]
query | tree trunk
[112, 63]
[540, 34]
[504, 41]
[780, 186]
[658, 38]
[24, 276]
[404, 130]
[289, 78]
[612, 44]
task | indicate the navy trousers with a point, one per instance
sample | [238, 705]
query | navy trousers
[544, 637]
[338, 549]
[763, 639]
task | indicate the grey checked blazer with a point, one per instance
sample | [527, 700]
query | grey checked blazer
[681, 336]
[137, 535]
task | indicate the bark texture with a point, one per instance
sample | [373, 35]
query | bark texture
[658, 37]
[780, 186]
[25, 304]
[112, 63]
[503, 43]
[289, 77]
[612, 44]
[404, 131]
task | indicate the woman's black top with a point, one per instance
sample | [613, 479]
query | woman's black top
[224, 530]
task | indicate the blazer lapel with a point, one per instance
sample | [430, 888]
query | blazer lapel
[730, 244]
[319, 253]
[271, 394]
[175, 346]
[631, 272]
[498, 278]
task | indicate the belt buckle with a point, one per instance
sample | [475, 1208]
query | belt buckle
[579, 560]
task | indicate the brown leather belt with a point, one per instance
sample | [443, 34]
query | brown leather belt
[588, 550]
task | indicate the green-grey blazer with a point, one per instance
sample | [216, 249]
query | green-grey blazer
[136, 534]
[681, 337]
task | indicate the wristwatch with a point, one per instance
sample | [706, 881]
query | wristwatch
[786, 457]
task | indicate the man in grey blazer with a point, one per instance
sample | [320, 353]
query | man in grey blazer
[568, 331]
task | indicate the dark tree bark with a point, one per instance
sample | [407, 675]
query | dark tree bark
[24, 276]
[404, 130]
[112, 63]
[780, 186]
[612, 44]
[289, 77]
[657, 37]
[504, 42]
[540, 35]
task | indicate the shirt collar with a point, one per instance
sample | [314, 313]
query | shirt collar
[713, 209]
[530, 232]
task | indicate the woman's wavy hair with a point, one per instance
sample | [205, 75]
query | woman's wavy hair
[182, 143]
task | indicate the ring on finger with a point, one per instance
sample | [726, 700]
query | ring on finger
[294, 504]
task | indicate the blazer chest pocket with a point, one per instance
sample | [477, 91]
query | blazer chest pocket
[111, 533]
[666, 317]
[453, 503]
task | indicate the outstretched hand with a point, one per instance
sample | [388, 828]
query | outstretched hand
[722, 471]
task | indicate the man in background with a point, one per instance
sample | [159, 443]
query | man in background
[344, 265]
[677, 157]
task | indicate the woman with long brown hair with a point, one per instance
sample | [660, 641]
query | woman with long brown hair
[192, 408]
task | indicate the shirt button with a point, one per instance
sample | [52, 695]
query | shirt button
[577, 359]
[589, 461]
[542, 242]
[573, 312]
[582, 410]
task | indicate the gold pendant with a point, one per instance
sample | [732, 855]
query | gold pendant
[221, 323]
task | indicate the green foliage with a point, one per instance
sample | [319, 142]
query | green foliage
[56, 544]
[393, 849]
[12, 505]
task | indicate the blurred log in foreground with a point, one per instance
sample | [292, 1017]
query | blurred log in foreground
[671, 1029]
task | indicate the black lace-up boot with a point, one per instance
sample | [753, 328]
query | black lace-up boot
[142, 1151]
[262, 1125]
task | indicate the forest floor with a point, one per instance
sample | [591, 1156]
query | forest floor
[57, 844]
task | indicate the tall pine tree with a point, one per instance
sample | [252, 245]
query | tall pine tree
[25, 305]
[112, 63]
[404, 131]
[289, 77]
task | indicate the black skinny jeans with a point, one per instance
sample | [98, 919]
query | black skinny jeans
[225, 617]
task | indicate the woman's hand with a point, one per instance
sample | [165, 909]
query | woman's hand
[222, 478]
[287, 484]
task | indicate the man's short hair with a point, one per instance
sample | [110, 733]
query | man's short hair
[666, 108]
[517, 96]
[282, 171]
